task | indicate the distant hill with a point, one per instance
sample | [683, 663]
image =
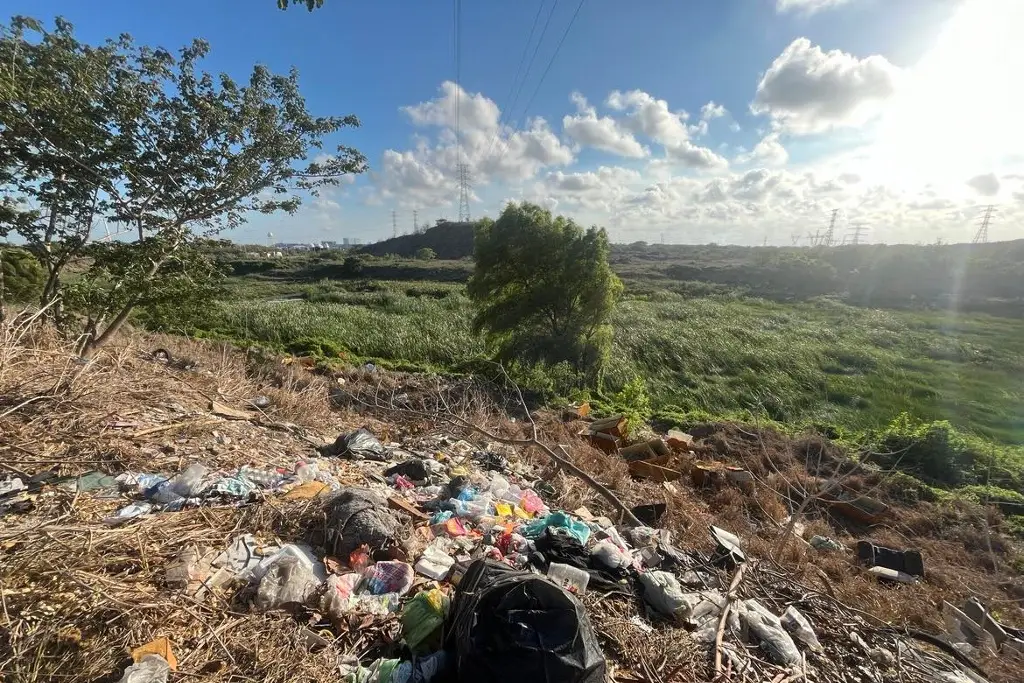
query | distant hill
[450, 240]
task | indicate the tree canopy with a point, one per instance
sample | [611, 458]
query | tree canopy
[543, 288]
[145, 141]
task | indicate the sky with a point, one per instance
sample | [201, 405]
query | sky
[683, 121]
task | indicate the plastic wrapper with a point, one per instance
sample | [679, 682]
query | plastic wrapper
[288, 580]
[389, 577]
[149, 669]
[608, 554]
[422, 619]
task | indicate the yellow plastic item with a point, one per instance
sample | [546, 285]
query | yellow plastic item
[503, 509]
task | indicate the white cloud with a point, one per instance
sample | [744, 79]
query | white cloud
[598, 190]
[427, 175]
[712, 111]
[807, 6]
[474, 112]
[695, 156]
[807, 90]
[650, 116]
[767, 151]
[603, 133]
[987, 184]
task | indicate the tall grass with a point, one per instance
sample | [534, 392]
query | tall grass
[817, 362]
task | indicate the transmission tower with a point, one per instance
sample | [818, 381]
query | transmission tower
[394, 223]
[795, 237]
[464, 189]
[415, 221]
[830, 235]
[981, 237]
[857, 232]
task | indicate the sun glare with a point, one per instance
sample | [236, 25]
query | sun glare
[958, 111]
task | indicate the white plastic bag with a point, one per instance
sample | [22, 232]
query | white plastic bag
[798, 625]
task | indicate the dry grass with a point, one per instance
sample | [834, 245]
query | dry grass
[76, 595]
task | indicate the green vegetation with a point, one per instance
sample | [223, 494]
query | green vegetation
[543, 290]
[21, 277]
[148, 141]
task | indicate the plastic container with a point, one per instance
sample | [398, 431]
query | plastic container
[570, 578]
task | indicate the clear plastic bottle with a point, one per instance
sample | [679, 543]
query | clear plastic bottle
[570, 578]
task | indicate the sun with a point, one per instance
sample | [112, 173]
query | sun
[958, 111]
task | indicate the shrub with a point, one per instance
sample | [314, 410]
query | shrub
[932, 450]
[23, 277]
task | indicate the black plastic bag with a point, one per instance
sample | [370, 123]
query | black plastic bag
[357, 445]
[508, 626]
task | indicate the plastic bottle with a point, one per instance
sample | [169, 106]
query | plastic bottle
[570, 578]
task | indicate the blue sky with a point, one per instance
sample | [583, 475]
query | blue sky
[809, 108]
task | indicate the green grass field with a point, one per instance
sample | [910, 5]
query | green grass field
[814, 362]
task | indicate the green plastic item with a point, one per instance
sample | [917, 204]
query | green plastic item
[422, 618]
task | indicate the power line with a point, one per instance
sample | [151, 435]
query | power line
[553, 56]
[519, 70]
[456, 31]
[544, 75]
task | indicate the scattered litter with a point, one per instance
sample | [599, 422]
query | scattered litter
[798, 625]
[358, 445]
[221, 410]
[903, 561]
[151, 669]
[307, 490]
[159, 646]
[824, 543]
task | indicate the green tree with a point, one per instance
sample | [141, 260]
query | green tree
[426, 254]
[148, 142]
[310, 4]
[543, 289]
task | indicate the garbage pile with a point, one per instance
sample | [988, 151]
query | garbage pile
[458, 557]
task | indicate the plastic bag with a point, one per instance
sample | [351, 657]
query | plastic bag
[557, 519]
[662, 592]
[422, 619]
[798, 625]
[510, 627]
[608, 554]
[356, 517]
[357, 445]
[149, 669]
[287, 580]
[768, 629]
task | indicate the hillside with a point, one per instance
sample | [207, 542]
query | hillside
[449, 239]
[81, 591]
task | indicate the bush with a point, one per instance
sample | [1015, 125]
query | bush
[426, 254]
[634, 402]
[23, 277]
[932, 450]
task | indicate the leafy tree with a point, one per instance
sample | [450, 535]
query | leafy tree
[310, 4]
[426, 254]
[543, 289]
[144, 140]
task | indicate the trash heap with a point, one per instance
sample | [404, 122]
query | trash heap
[454, 558]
